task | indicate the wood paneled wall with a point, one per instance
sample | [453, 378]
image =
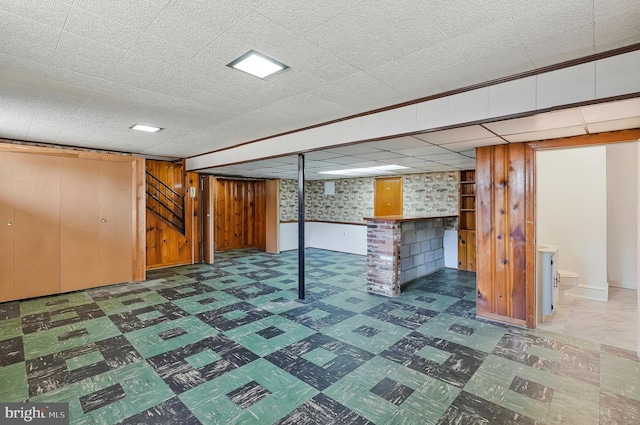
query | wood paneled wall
[166, 246]
[239, 214]
[506, 233]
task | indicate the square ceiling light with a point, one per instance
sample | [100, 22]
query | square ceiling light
[146, 128]
[257, 64]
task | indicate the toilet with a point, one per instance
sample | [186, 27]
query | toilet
[568, 279]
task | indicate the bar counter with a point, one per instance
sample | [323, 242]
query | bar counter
[400, 249]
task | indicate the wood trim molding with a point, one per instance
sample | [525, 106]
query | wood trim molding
[10, 146]
[503, 319]
[323, 221]
[140, 220]
[620, 136]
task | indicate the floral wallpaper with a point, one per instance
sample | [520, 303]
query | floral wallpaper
[352, 201]
[423, 194]
[430, 194]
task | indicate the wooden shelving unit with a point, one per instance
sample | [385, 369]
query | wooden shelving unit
[467, 221]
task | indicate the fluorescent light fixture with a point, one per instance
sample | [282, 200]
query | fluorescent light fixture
[257, 64]
[146, 128]
[381, 169]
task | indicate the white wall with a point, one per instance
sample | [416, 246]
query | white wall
[622, 211]
[347, 238]
[337, 237]
[572, 213]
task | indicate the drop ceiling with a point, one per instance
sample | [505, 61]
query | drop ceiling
[444, 150]
[80, 73]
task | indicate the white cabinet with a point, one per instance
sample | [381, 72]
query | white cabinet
[548, 279]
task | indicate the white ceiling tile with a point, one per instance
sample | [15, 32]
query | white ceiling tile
[427, 150]
[462, 16]
[358, 149]
[470, 153]
[52, 13]
[214, 14]
[463, 147]
[405, 142]
[538, 122]
[546, 134]
[307, 16]
[74, 79]
[620, 26]
[456, 135]
[551, 16]
[552, 48]
[80, 65]
[261, 33]
[611, 111]
[384, 155]
[26, 50]
[160, 50]
[10, 64]
[73, 44]
[96, 28]
[136, 14]
[29, 31]
[356, 91]
[621, 124]
[164, 61]
[501, 63]
[444, 157]
[181, 30]
[461, 162]
[321, 155]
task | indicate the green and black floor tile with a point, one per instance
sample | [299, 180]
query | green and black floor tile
[230, 344]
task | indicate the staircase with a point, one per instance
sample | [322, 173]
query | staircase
[165, 202]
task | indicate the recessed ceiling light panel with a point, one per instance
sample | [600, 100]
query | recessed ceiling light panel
[382, 169]
[146, 128]
[257, 64]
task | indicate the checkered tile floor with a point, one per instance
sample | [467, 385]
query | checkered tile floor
[230, 344]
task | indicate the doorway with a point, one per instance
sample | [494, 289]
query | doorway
[586, 224]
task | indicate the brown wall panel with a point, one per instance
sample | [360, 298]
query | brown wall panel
[80, 224]
[116, 207]
[7, 227]
[37, 225]
[240, 214]
[503, 232]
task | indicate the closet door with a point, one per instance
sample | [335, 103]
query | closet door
[79, 224]
[36, 227]
[7, 226]
[117, 209]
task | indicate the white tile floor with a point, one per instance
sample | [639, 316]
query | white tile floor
[614, 322]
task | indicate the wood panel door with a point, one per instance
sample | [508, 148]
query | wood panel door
[7, 226]
[240, 214]
[37, 225]
[96, 216]
[388, 197]
[117, 210]
[79, 224]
